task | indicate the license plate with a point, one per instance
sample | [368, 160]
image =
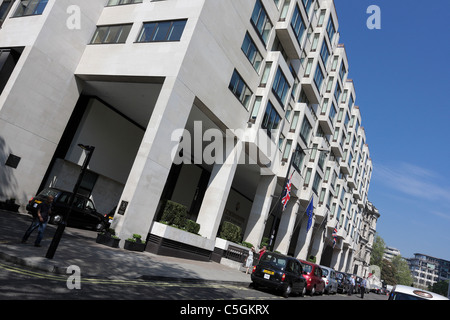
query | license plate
[267, 276]
[269, 272]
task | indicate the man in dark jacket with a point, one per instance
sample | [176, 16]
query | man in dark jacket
[40, 221]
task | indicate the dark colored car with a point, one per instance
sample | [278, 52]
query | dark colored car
[83, 213]
[313, 276]
[279, 272]
[343, 282]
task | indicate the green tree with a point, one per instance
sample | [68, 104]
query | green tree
[388, 272]
[376, 258]
[440, 287]
[403, 274]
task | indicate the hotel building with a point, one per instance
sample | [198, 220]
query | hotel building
[132, 78]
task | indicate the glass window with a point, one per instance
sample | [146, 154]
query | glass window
[30, 7]
[298, 25]
[271, 119]
[324, 52]
[330, 29]
[261, 21]
[111, 34]
[305, 130]
[120, 2]
[162, 31]
[251, 52]
[240, 89]
[280, 86]
[318, 77]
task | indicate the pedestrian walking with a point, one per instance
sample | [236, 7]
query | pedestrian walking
[363, 287]
[40, 220]
[262, 251]
[351, 285]
[249, 261]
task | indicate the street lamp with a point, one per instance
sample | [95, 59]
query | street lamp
[62, 224]
[278, 205]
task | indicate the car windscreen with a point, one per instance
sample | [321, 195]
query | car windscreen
[403, 296]
[48, 192]
[274, 260]
[307, 267]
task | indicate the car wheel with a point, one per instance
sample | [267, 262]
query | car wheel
[302, 292]
[313, 290]
[56, 219]
[287, 291]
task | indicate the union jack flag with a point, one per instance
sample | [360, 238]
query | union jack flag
[287, 194]
[334, 235]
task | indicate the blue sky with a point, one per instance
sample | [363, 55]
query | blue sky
[401, 74]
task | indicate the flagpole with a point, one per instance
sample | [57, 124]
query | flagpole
[278, 205]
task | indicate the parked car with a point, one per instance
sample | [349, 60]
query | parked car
[83, 213]
[400, 292]
[342, 280]
[329, 277]
[313, 276]
[279, 272]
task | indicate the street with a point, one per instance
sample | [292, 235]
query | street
[21, 283]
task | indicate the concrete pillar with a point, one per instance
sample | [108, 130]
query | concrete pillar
[149, 173]
[318, 243]
[260, 210]
[335, 259]
[286, 227]
[216, 194]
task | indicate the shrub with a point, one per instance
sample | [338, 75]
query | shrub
[230, 232]
[192, 226]
[174, 214]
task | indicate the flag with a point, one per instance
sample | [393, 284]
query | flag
[287, 193]
[334, 235]
[309, 213]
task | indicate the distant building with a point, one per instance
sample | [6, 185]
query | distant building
[427, 270]
[390, 253]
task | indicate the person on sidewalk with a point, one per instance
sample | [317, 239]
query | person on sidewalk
[363, 287]
[249, 261]
[351, 285]
[40, 221]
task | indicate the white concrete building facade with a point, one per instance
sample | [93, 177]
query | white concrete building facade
[151, 84]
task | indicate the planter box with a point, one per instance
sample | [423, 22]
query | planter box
[134, 246]
[170, 241]
[107, 240]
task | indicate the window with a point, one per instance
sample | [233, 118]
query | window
[324, 53]
[5, 6]
[30, 7]
[318, 78]
[240, 89]
[330, 30]
[280, 86]
[111, 34]
[305, 130]
[251, 52]
[298, 155]
[307, 5]
[120, 2]
[342, 71]
[297, 24]
[271, 119]
[261, 21]
[162, 31]
[337, 91]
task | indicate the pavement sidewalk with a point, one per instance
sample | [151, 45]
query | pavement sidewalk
[78, 247]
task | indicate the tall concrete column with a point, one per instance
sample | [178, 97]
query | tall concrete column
[151, 168]
[260, 210]
[286, 227]
[216, 194]
[336, 258]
